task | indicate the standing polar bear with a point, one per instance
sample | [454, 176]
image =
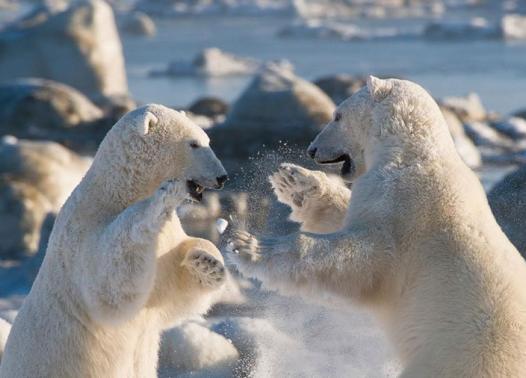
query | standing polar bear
[418, 243]
[119, 268]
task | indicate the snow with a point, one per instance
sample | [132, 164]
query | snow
[221, 225]
[193, 347]
[286, 336]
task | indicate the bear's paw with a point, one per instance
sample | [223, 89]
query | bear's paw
[209, 271]
[295, 186]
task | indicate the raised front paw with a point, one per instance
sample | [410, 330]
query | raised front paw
[243, 248]
[209, 271]
[295, 185]
[171, 194]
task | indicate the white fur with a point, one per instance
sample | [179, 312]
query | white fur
[119, 268]
[319, 202]
[420, 245]
[5, 328]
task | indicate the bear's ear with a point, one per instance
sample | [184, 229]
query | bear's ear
[378, 88]
[145, 122]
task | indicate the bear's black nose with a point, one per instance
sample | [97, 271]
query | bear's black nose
[312, 152]
[221, 181]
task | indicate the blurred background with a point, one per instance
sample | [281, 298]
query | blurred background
[262, 77]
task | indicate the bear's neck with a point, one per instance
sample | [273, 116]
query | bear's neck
[112, 185]
[404, 150]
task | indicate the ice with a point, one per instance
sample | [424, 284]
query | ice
[221, 225]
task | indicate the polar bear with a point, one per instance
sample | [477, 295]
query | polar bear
[419, 244]
[119, 268]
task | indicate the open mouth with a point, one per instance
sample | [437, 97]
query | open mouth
[195, 190]
[347, 167]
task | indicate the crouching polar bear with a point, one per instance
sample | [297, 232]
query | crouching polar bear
[119, 268]
[417, 243]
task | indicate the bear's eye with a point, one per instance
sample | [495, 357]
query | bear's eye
[337, 117]
[194, 144]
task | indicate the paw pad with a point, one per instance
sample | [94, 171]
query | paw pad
[208, 270]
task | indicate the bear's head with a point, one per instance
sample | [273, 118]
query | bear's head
[158, 143]
[385, 117]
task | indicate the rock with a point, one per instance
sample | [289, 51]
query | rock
[35, 108]
[209, 106]
[508, 203]
[138, 23]
[192, 347]
[465, 147]
[520, 114]
[257, 8]
[276, 110]
[202, 121]
[46, 110]
[510, 27]
[513, 127]
[340, 87]
[78, 46]
[115, 106]
[9, 5]
[47, 166]
[483, 134]
[277, 105]
[35, 180]
[504, 158]
[23, 210]
[339, 30]
[213, 62]
[277, 99]
[472, 29]
[321, 29]
[513, 26]
[468, 108]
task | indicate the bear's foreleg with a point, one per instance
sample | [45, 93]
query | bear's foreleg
[346, 263]
[121, 273]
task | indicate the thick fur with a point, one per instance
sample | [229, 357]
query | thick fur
[119, 268]
[419, 246]
[317, 201]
